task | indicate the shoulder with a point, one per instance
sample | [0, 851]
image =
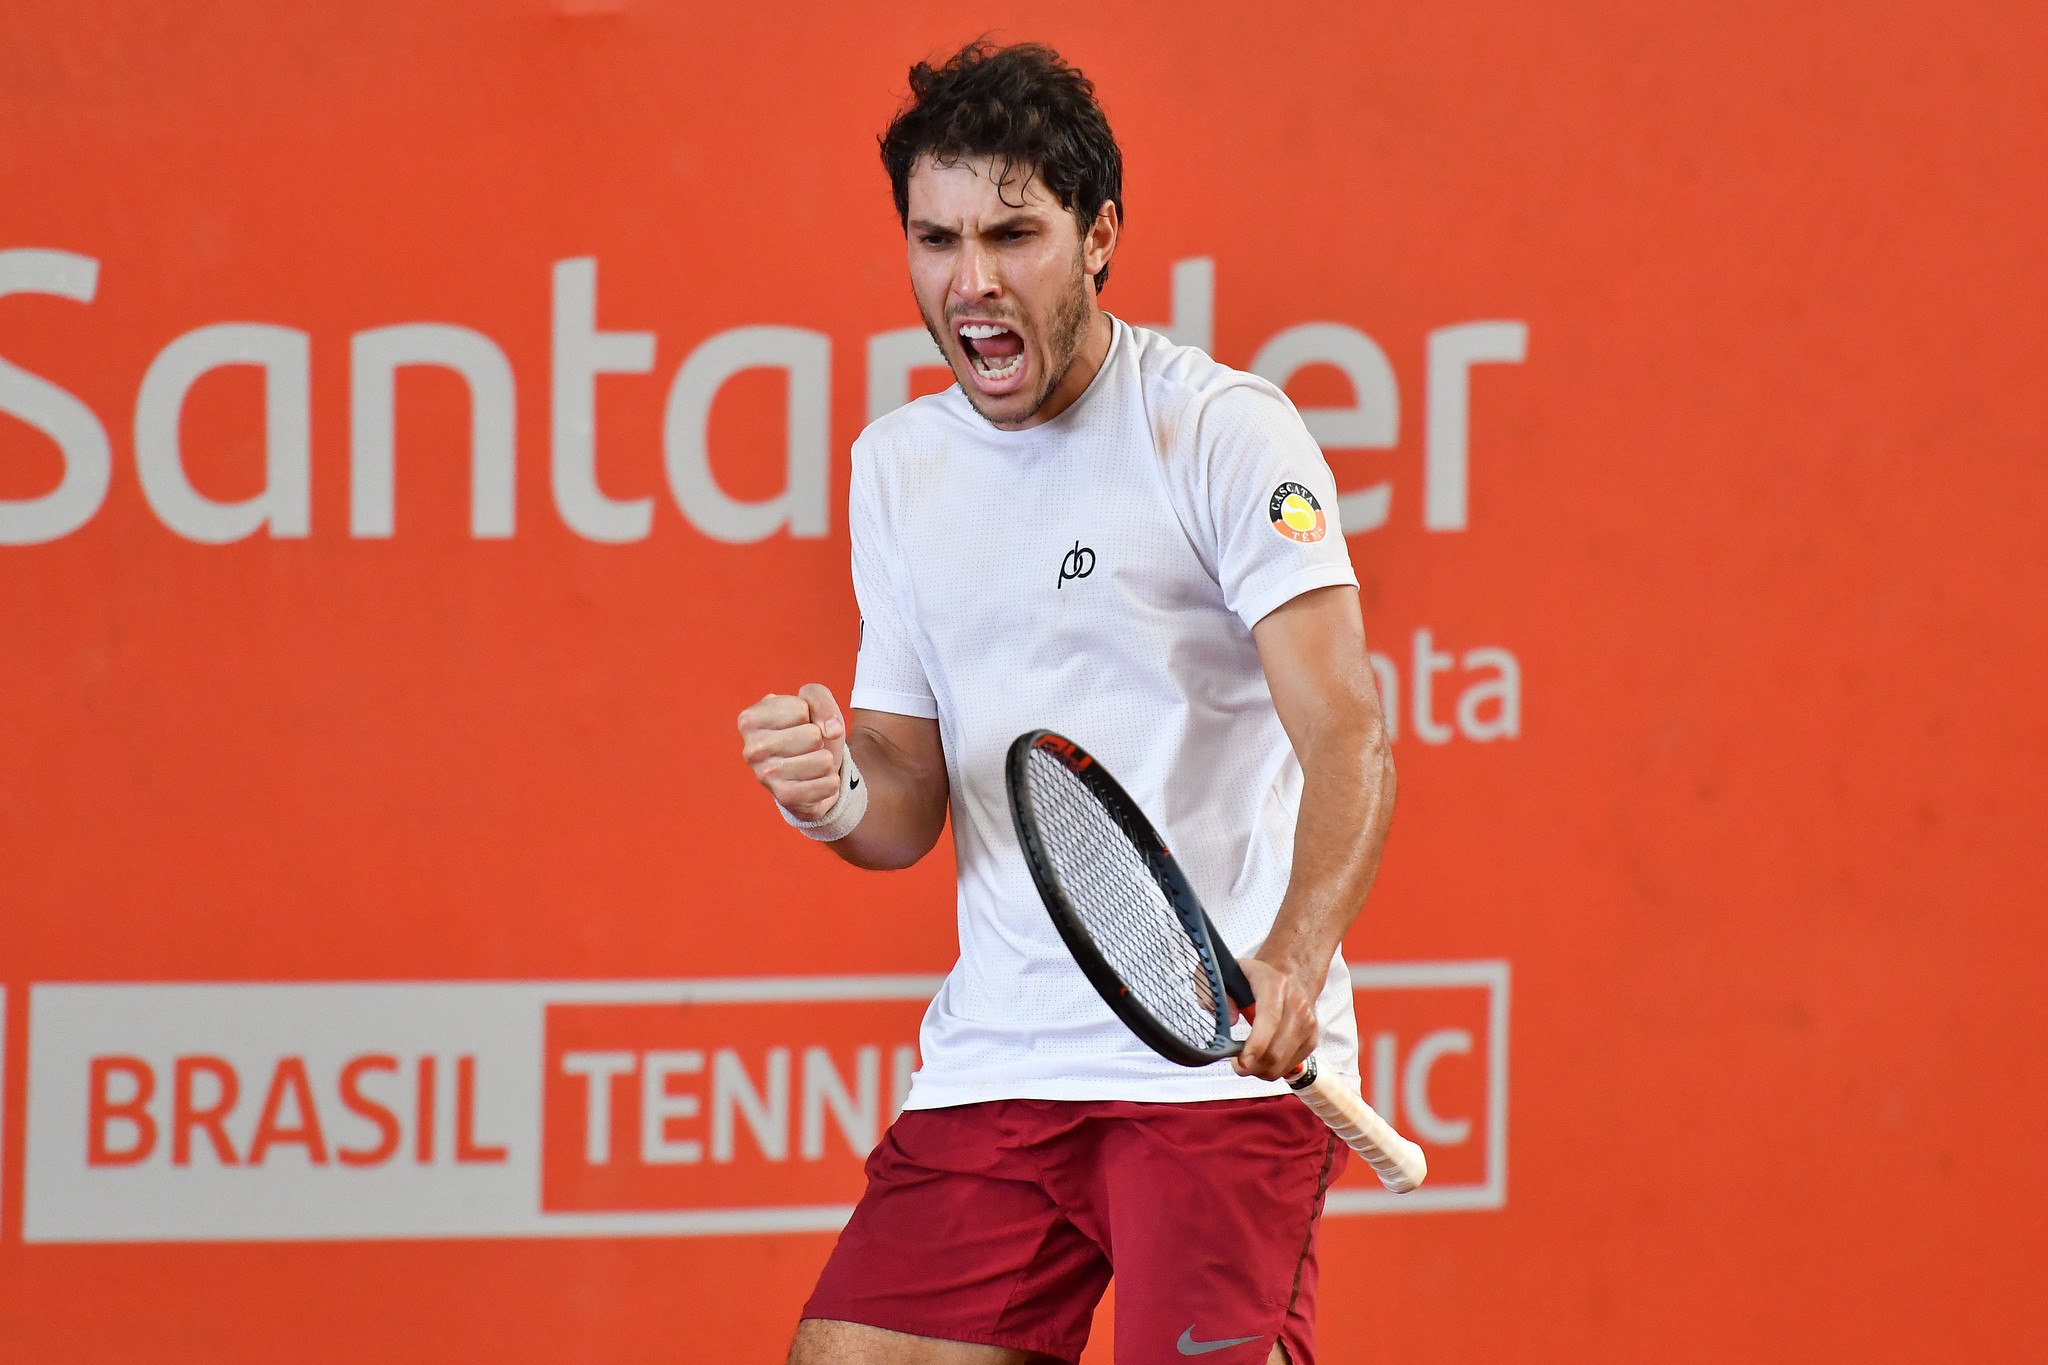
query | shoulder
[1194, 400]
[914, 426]
[1185, 387]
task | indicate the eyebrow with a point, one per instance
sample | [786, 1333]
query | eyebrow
[1008, 222]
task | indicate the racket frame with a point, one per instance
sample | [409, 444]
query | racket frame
[1399, 1163]
[1226, 979]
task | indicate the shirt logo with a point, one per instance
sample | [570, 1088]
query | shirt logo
[1296, 514]
[1078, 562]
[1190, 1347]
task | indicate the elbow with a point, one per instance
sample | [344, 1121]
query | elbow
[881, 855]
[888, 858]
[869, 860]
[1389, 784]
[891, 847]
[1369, 740]
[1376, 770]
[1360, 758]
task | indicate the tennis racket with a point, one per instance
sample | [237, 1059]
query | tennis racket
[1144, 941]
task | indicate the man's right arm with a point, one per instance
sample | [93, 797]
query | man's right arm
[796, 747]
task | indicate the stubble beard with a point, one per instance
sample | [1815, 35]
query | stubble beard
[1063, 336]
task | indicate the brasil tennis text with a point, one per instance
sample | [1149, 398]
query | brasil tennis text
[308, 1111]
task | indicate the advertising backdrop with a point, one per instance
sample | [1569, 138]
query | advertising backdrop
[423, 428]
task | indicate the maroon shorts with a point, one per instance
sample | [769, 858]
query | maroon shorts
[1000, 1223]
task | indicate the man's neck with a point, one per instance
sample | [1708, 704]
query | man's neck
[1087, 363]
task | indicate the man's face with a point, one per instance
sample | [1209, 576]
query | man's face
[1005, 288]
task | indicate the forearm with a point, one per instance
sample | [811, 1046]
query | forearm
[1347, 803]
[906, 804]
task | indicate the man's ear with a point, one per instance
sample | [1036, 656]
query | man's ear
[1100, 243]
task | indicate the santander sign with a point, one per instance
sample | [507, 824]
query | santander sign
[580, 351]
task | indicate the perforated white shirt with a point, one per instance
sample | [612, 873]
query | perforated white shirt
[1098, 575]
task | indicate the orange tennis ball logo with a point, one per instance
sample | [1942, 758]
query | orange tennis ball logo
[1296, 514]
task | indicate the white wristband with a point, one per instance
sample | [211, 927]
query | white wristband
[847, 808]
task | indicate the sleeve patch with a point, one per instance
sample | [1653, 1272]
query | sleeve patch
[1296, 514]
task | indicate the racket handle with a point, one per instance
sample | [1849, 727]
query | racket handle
[1398, 1162]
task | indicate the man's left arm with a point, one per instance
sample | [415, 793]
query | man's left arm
[1313, 651]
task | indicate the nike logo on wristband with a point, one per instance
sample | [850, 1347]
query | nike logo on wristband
[853, 785]
[1190, 1347]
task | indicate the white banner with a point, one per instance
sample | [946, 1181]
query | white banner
[311, 1111]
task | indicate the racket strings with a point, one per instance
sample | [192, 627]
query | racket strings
[1121, 904]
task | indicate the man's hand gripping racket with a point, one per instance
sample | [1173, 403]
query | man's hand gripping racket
[1141, 937]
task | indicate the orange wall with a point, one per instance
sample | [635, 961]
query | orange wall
[1760, 517]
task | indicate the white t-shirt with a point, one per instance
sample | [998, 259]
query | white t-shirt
[1098, 575]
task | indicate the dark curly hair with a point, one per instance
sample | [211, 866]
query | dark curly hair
[1023, 104]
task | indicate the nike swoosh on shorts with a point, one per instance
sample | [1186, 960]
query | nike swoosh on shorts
[1190, 1347]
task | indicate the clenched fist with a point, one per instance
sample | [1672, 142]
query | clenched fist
[795, 745]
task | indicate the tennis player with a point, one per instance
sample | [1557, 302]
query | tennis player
[1107, 534]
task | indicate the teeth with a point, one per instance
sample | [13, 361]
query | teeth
[982, 331]
[998, 370]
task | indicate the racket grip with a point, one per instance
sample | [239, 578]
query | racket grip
[1398, 1162]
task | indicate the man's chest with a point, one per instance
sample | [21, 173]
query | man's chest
[1075, 548]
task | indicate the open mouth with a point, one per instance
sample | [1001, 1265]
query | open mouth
[995, 352]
